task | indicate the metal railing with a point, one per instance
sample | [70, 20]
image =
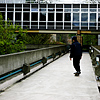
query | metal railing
[31, 58]
[95, 56]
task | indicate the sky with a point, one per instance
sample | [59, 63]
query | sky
[71, 1]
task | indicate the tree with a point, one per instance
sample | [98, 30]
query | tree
[10, 40]
[38, 38]
[89, 39]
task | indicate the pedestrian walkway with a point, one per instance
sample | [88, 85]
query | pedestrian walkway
[56, 81]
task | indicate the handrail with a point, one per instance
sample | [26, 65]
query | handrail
[37, 62]
[95, 49]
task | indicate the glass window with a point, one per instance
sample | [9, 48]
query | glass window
[42, 25]
[93, 6]
[67, 16]
[84, 10]
[51, 9]
[92, 28]
[18, 9]
[18, 5]
[59, 6]
[98, 16]
[76, 10]
[99, 10]
[84, 6]
[75, 16]
[2, 9]
[42, 16]
[67, 25]
[84, 24]
[34, 9]
[84, 28]
[92, 24]
[84, 17]
[2, 5]
[76, 6]
[34, 25]
[26, 5]
[59, 16]
[67, 6]
[93, 17]
[26, 16]
[99, 24]
[34, 17]
[26, 25]
[42, 9]
[59, 25]
[42, 6]
[51, 6]
[10, 5]
[76, 24]
[17, 15]
[50, 16]
[59, 9]
[10, 9]
[26, 9]
[50, 25]
[34, 6]
[67, 10]
[10, 15]
[93, 10]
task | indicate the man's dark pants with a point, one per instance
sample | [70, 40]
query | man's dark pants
[76, 63]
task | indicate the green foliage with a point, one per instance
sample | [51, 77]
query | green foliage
[70, 35]
[89, 39]
[8, 41]
[38, 38]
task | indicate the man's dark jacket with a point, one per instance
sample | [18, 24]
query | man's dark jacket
[76, 50]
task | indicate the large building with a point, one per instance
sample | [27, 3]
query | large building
[33, 15]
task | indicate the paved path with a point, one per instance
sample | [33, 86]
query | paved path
[57, 82]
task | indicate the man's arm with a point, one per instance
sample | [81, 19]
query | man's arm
[71, 51]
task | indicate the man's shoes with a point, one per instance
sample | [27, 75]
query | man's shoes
[77, 72]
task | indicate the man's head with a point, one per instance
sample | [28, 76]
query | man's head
[74, 38]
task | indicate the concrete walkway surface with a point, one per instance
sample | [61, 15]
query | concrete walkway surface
[56, 81]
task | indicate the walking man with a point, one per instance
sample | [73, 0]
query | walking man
[76, 54]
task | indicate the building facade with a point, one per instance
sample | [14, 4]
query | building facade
[52, 16]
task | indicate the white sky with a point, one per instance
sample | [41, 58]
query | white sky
[71, 1]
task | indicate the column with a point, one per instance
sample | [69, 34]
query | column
[14, 15]
[88, 16]
[97, 18]
[63, 16]
[55, 18]
[71, 16]
[80, 18]
[46, 16]
[30, 15]
[22, 17]
[38, 14]
[6, 13]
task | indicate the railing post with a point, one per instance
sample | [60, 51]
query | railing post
[97, 68]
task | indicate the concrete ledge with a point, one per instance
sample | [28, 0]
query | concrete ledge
[15, 61]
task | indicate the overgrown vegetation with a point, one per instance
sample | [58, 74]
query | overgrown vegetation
[13, 38]
[11, 41]
[38, 38]
[89, 39]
